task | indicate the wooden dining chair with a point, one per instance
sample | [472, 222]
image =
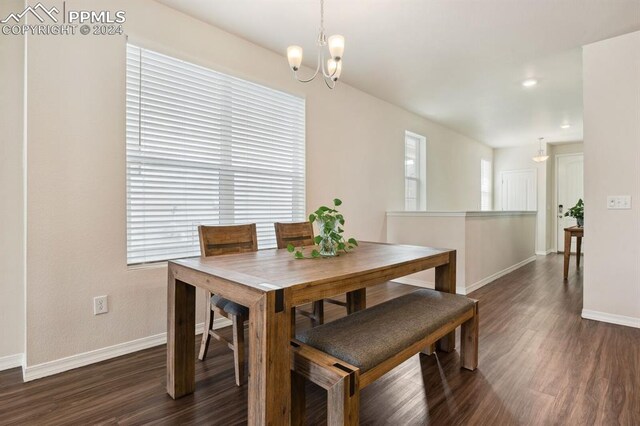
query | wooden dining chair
[301, 234]
[223, 240]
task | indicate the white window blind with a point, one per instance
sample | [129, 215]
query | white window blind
[486, 183]
[206, 148]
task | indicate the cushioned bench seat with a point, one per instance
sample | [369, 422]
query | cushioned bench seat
[365, 339]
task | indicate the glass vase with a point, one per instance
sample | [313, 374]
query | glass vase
[327, 246]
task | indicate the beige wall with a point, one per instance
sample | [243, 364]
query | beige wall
[11, 190]
[550, 213]
[612, 156]
[76, 169]
[495, 244]
[557, 149]
[431, 231]
[453, 172]
[488, 244]
[519, 158]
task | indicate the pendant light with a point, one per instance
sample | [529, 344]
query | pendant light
[541, 157]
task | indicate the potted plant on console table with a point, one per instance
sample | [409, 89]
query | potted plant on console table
[577, 212]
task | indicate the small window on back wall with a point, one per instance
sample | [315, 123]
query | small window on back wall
[415, 173]
[486, 183]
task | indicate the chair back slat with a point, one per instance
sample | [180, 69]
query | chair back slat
[217, 240]
[299, 234]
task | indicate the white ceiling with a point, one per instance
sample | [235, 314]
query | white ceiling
[457, 62]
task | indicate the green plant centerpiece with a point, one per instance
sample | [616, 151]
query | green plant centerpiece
[577, 212]
[329, 240]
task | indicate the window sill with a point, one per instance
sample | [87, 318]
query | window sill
[151, 265]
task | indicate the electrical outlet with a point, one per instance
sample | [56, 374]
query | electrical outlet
[100, 305]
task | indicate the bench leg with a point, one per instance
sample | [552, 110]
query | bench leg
[429, 350]
[469, 342]
[343, 402]
[298, 400]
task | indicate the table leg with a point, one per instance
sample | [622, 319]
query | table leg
[269, 360]
[181, 325]
[356, 300]
[567, 252]
[578, 250]
[446, 281]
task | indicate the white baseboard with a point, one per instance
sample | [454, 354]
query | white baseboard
[545, 253]
[475, 286]
[80, 360]
[11, 361]
[611, 318]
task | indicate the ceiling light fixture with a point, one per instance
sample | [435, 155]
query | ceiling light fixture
[541, 155]
[565, 126]
[331, 67]
[530, 82]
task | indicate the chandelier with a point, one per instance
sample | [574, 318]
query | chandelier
[541, 155]
[331, 67]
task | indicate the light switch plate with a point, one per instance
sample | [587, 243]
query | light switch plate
[619, 202]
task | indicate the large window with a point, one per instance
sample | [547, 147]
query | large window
[206, 148]
[414, 172]
[486, 184]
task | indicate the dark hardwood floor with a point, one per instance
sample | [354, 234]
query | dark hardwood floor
[540, 363]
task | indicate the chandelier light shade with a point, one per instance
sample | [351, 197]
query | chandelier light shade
[336, 47]
[294, 55]
[541, 157]
[329, 63]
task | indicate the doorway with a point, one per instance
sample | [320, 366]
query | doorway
[569, 189]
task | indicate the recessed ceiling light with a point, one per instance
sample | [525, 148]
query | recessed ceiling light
[565, 126]
[530, 82]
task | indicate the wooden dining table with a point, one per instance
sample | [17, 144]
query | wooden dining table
[271, 283]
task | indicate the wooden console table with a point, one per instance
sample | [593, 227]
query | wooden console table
[573, 231]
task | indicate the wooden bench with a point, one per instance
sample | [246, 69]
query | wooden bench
[346, 355]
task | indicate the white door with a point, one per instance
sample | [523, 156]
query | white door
[570, 187]
[518, 190]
